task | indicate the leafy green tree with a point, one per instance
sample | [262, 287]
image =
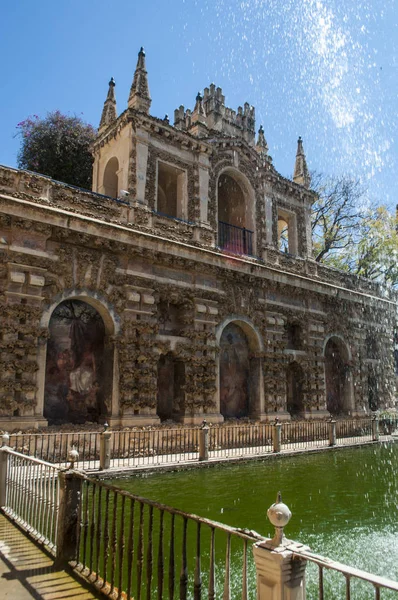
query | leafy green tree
[375, 256]
[57, 146]
[352, 235]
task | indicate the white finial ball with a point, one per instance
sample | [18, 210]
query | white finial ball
[279, 514]
[73, 455]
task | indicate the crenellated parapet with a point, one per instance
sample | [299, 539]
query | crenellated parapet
[214, 116]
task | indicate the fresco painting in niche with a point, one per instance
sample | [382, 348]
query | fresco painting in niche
[74, 367]
[234, 373]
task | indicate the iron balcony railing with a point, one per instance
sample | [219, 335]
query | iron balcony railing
[237, 240]
[31, 496]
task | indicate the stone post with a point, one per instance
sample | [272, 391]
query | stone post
[204, 442]
[70, 489]
[375, 428]
[3, 468]
[332, 432]
[278, 575]
[277, 436]
[105, 448]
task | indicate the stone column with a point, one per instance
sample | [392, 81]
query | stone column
[105, 448]
[375, 428]
[203, 187]
[141, 164]
[204, 442]
[3, 468]
[70, 485]
[332, 433]
[277, 436]
[278, 576]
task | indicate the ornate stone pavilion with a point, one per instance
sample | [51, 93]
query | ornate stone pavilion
[183, 287]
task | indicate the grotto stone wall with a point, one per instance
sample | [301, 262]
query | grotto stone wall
[163, 287]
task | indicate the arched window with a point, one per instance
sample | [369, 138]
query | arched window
[110, 182]
[283, 235]
[171, 191]
[287, 232]
[76, 377]
[235, 214]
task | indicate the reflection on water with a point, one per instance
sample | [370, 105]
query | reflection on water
[344, 503]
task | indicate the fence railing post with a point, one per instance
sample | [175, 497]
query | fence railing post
[332, 433]
[375, 428]
[3, 468]
[278, 575]
[70, 491]
[105, 448]
[204, 442]
[277, 436]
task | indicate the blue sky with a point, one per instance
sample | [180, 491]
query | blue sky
[323, 69]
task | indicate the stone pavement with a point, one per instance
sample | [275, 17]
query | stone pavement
[27, 572]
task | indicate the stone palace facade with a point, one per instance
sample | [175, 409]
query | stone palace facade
[183, 287]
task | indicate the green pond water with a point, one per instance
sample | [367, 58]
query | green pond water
[344, 503]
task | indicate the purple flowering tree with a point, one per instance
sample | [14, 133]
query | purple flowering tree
[57, 146]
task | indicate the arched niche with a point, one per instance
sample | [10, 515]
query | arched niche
[294, 389]
[65, 366]
[294, 334]
[110, 181]
[240, 387]
[236, 213]
[338, 378]
[170, 387]
[373, 392]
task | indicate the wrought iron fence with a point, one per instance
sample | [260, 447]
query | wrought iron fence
[240, 440]
[31, 496]
[154, 447]
[353, 430]
[54, 447]
[133, 547]
[336, 580]
[305, 434]
[237, 240]
[167, 446]
[149, 550]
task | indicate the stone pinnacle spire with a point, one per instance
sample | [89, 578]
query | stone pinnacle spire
[301, 174]
[109, 113]
[139, 92]
[261, 144]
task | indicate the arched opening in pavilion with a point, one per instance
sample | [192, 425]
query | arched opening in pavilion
[111, 181]
[235, 213]
[339, 398]
[79, 365]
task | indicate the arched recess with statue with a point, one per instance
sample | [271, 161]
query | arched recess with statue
[294, 390]
[338, 376]
[76, 380]
[170, 387]
[240, 389]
